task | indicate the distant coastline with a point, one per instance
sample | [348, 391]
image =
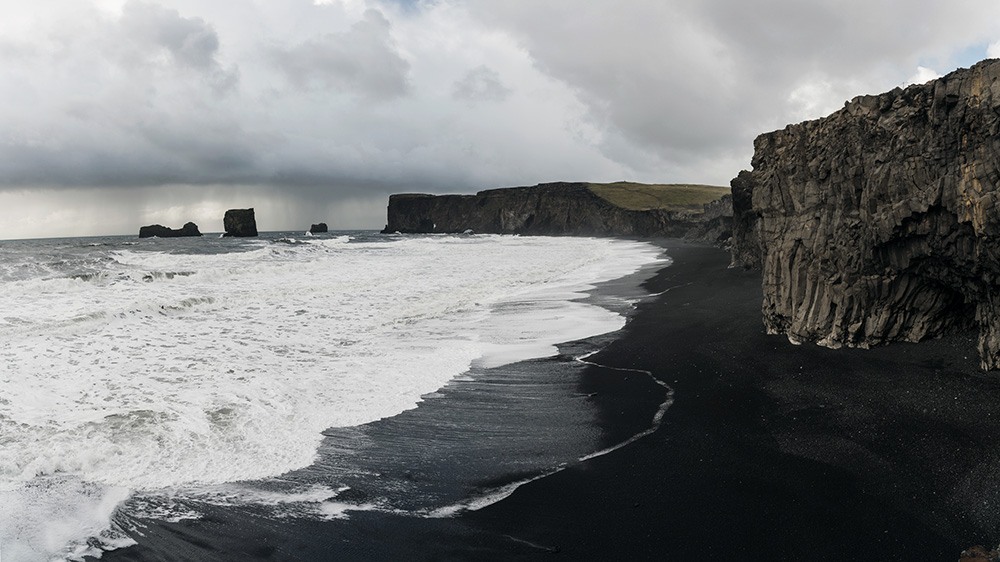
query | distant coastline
[583, 209]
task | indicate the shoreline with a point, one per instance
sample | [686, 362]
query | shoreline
[772, 451]
[768, 451]
[466, 445]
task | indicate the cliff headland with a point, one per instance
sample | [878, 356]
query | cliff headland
[879, 222]
[585, 209]
[875, 224]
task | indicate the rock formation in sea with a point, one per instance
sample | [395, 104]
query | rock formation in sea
[555, 209]
[160, 231]
[240, 222]
[318, 228]
[880, 222]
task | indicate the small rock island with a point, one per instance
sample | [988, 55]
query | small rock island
[160, 231]
[318, 228]
[240, 223]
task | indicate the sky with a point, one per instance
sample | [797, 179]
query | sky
[119, 113]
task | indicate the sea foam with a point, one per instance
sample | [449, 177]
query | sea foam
[169, 370]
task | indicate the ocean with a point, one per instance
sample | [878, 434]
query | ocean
[239, 387]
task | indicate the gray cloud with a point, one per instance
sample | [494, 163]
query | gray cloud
[363, 60]
[185, 102]
[480, 84]
[645, 71]
[696, 80]
[190, 42]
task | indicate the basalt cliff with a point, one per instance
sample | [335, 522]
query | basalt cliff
[881, 222]
[558, 209]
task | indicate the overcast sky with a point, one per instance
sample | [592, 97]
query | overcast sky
[115, 114]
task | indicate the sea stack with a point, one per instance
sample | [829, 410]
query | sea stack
[240, 223]
[879, 222]
[160, 231]
[318, 228]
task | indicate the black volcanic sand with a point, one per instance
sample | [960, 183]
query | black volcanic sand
[773, 451]
[769, 452]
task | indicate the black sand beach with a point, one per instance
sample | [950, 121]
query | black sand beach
[773, 451]
[769, 452]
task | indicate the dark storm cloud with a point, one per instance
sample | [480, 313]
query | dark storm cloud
[135, 142]
[26, 166]
[363, 60]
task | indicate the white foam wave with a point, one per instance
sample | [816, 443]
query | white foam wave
[232, 370]
[657, 417]
[489, 497]
[50, 518]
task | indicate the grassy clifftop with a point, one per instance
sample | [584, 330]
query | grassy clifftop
[644, 196]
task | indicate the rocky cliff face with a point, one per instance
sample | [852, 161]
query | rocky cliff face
[549, 209]
[189, 229]
[240, 223]
[880, 222]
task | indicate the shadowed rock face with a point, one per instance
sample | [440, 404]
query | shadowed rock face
[319, 228]
[160, 231]
[550, 209]
[880, 222]
[240, 222]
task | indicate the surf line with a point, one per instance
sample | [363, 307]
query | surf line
[657, 417]
[667, 290]
[495, 495]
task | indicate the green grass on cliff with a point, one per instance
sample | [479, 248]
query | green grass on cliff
[644, 196]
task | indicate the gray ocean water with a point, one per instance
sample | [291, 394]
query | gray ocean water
[286, 379]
